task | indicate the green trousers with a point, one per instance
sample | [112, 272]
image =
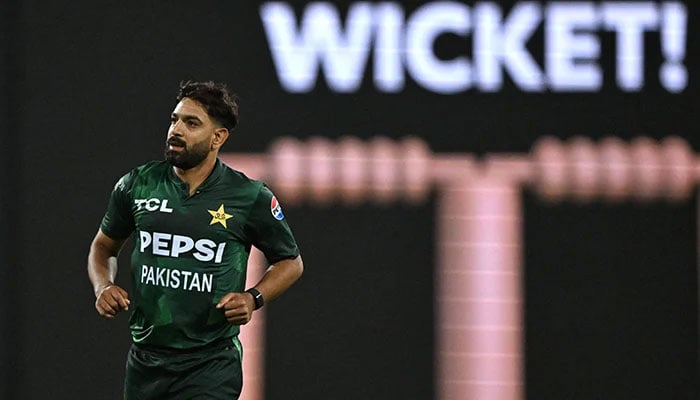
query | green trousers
[210, 373]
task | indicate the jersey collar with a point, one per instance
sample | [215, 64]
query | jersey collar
[215, 175]
[211, 180]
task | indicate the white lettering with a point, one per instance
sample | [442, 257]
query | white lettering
[145, 239]
[207, 280]
[159, 277]
[186, 275]
[205, 250]
[170, 278]
[320, 41]
[153, 205]
[139, 203]
[630, 21]
[194, 283]
[150, 277]
[169, 245]
[497, 43]
[571, 50]
[164, 207]
[320, 45]
[388, 68]
[220, 252]
[175, 278]
[160, 243]
[181, 244]
[674, 22]
[426, 24]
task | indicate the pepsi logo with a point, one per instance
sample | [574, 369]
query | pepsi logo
[276, 209]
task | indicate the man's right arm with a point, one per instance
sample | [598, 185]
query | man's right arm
[102, 270]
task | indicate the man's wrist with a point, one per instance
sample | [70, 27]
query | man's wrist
[258, 299]
[99, 288]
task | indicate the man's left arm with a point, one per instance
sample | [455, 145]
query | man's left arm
[239, 307]
[269, 232]
[279, 277]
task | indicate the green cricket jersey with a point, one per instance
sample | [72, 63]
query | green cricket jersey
[191, 250]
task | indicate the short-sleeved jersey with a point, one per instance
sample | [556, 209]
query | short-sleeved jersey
[191, 250]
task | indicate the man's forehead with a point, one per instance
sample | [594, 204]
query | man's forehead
[188, 106]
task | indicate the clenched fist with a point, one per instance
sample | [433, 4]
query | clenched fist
[111, 299]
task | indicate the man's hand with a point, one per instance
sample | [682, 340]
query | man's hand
[110, 300]
[238, 307]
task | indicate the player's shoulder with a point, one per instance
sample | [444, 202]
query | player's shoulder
[142, 174]
[152, 168]
[240, 181]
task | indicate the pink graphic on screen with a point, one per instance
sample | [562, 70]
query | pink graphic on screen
[479, 266]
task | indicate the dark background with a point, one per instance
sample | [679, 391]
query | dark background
[611, 304]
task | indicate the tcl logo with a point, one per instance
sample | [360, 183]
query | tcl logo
[319, 43]
[153, 205]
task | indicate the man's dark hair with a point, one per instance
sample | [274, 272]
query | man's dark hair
[221, 105]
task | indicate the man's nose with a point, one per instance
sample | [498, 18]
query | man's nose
[175, 129]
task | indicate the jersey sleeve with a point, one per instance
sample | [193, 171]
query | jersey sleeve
[269, 230]
[118, 221]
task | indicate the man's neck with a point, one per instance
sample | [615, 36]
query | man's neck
[194, 176]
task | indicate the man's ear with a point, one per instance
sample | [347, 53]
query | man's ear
[220, 136]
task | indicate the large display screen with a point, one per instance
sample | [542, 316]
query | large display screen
[471, 182]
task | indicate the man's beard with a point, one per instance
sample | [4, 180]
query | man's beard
[187, 157]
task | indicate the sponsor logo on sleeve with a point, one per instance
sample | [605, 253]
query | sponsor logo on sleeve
[276, 209]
